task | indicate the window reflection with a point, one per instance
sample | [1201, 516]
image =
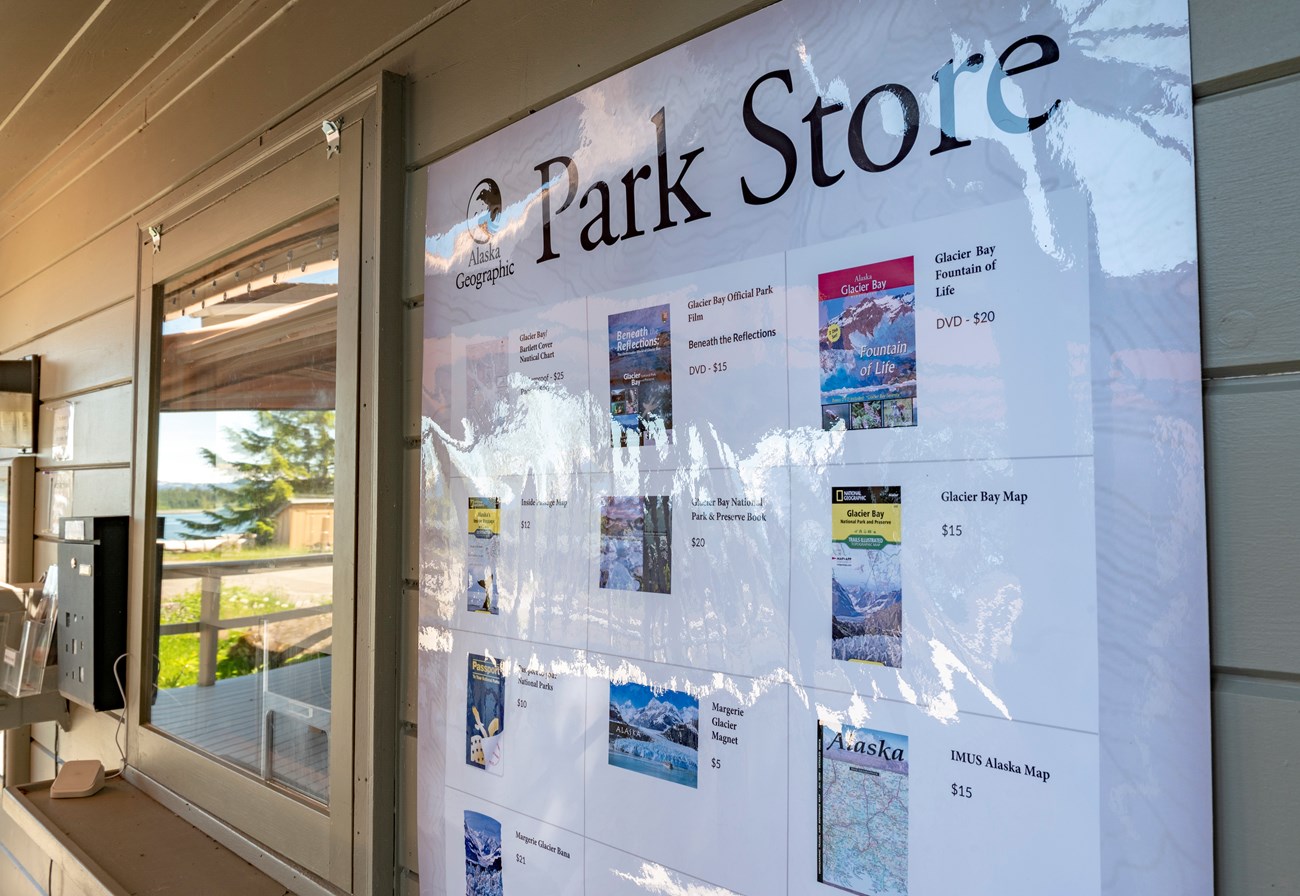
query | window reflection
[245, 495]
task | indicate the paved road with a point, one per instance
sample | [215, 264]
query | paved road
[305, 587]
[309, 586]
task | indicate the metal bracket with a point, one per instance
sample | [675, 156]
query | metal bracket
[333, 130]
[155, 237]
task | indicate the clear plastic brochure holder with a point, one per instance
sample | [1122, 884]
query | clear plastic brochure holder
[27, 635]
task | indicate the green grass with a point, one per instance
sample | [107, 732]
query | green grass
[178, 655]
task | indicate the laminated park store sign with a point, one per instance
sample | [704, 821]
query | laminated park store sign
[812, 489]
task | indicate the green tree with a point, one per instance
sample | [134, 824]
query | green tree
[286, 455]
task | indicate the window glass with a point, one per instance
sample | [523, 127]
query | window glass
[246, 506]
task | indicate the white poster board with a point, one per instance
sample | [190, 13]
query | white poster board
[812, 468]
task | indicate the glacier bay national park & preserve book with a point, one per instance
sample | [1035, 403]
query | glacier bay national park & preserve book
[636, 543]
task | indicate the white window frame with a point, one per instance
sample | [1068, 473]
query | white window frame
[277, 178]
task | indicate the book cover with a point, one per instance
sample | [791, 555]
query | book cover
[482, 855]
[636, 543]
[655, 731]
[867, 341]
[862, 797]
[485, 707]
[867, 574]
[641, 377]
[483, 546]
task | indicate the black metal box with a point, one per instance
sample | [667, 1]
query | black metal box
[92, 608]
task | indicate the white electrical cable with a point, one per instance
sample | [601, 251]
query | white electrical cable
[121, 718]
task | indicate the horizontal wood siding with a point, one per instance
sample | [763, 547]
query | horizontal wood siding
[1234, 44]
[1256, 785]
[1244, 57]
[1246, 144]
[1252, 482]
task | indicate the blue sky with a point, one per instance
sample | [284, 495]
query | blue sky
[181, 435]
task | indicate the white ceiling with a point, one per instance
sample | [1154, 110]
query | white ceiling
[79, 76]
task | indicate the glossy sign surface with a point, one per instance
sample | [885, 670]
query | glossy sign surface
[812, 470]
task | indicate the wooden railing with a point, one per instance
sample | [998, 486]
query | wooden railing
[210, 625]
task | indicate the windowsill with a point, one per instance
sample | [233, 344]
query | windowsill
[121, 842]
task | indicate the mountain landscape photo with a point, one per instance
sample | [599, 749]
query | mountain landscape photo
[867, 345]
[866, 623]
[482, 855]
[656, 733]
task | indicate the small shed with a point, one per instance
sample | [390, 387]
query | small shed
[306, 524]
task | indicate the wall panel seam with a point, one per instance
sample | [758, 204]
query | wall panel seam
[1261, 675]
[1251, 77]
[88, 390]
[54, 64]
[1249, 371]
[105, 118]
[18, 347]
[127, 114]
[76, 468]
[22, 869]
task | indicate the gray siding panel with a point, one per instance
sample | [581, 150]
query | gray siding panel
[88, 354]
[1231, 40]
[95, 492]
[1256, 786]
[1247, 193]
[100, 432]
[1251, 430]
[60, 290]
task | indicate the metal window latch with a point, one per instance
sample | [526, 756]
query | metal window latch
[155, 238]
[333, 130]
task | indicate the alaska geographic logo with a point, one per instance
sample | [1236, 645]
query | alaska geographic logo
[483, 212]
[483, 217]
